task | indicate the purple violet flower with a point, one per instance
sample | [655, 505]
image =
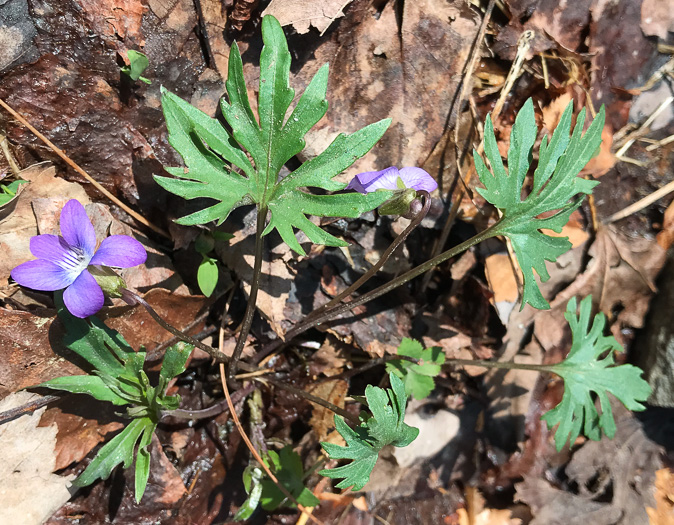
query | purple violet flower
[62, 260]
[387, 179]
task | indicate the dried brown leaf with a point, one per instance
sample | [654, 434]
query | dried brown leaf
[28, 358]
[663, 513]
[409, 73]
[31, 492]
[119, 20]
[17, 229]
[477, 514]
[322, 419]
[552, 506]
[657, 18]
[82, 424]
[302, 14]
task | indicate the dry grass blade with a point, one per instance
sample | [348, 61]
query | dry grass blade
[641, 204]
[84, 174]
[629, 139]
[246, 439]
[468, 73]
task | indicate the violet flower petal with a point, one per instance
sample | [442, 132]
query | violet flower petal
[76, 227]
[42, 275]
[50, 247]
[418, 179]
[121, 251]
[370, 181]
[84, 297]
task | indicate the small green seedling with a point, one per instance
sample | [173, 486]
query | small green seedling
[8, 191]
[138, 63]
[418, 377]
[208, 271]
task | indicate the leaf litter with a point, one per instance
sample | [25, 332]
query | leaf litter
[405, 64]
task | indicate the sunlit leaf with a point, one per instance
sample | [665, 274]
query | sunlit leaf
[557, 190]
[217, 166]
[385, 427]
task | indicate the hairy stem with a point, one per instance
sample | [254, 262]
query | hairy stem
[252, 298]
[31, 406]
[133, 298]
[398, 281]
[506, 365]
[211, 411]
[372, 271]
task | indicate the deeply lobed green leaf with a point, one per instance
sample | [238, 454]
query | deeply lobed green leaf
[589, 368]
[557, 190]
[385, 427]
[208, 149]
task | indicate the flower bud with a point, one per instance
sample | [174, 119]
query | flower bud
[111, 283]
[400, 203]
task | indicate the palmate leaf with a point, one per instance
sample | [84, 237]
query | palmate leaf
[385, 427]
[208, 150]
[589, 368]
[418, 377]
[557, 190]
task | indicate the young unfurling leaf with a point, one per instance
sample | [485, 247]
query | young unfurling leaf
[589, 368]
[418, 377]
[211, 153]
[384, 427]
[556, 189]
[138, 63]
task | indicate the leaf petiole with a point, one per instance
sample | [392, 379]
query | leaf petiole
[252, 297]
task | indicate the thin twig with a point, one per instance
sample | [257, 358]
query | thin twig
[660, 143]
[629, 139]
[213, 410]
[371, 363]
[314, 399]
[377, 292]
[506, 365]
[84, 174]
[252, 449]
[8, 155]
[523, 46]
[477, 45]
[454, 207]
[32, 406]
[133, 298]
[155, 352]
[641, 204]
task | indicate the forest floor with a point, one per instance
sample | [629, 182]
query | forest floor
[436, 67]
